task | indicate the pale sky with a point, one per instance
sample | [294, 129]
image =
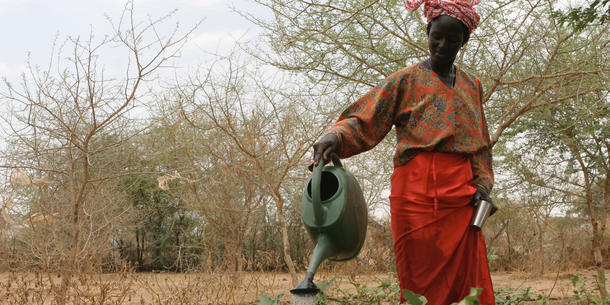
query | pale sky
[31, 26]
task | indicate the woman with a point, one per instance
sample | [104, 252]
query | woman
[442, 159]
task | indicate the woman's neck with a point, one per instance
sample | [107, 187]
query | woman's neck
[441, 69]
[446, 73]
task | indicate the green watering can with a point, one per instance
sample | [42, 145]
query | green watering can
[335, 215]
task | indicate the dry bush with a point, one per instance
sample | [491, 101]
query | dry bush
[127, 287]
[513, 237]
[88, 288]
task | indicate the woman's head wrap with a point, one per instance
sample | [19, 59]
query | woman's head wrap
[462, 10]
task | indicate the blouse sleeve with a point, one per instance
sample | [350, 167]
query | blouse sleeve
[366, 122]
[482, 159]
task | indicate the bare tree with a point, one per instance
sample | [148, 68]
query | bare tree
[68, 125]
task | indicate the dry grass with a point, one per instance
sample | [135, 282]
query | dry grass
[221, 288]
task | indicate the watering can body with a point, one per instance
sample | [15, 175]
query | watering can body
[336, 221]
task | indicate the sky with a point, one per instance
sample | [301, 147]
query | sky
[30, 27]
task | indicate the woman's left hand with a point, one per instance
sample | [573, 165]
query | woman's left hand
[481, 194]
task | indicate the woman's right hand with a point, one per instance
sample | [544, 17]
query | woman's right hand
[324, 149]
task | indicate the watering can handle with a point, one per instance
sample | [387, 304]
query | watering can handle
[316, 180]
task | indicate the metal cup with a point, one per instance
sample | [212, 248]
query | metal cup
[481, 213]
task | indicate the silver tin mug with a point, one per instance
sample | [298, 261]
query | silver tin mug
[481, 212]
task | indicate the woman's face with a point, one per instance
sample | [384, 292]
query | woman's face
[445, 39]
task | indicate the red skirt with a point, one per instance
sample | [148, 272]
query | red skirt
[437, 254]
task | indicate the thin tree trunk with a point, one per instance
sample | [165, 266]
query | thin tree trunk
[138, 250]
[540, 257]
[599, 263]
[510, 247]
[285, 240]
[209, 244]
[604, 218]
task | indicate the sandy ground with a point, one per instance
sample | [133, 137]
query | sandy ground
[201, 288]
[557, 287]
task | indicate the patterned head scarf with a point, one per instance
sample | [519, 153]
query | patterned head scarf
[462, 10]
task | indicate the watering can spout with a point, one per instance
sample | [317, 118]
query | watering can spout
[306, 287]
[322, 251]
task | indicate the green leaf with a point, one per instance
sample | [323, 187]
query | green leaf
[472, 298]
[324, 285]
[413, 298]
[264, 299]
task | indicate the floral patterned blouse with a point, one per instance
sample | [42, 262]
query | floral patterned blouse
[428, 115]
